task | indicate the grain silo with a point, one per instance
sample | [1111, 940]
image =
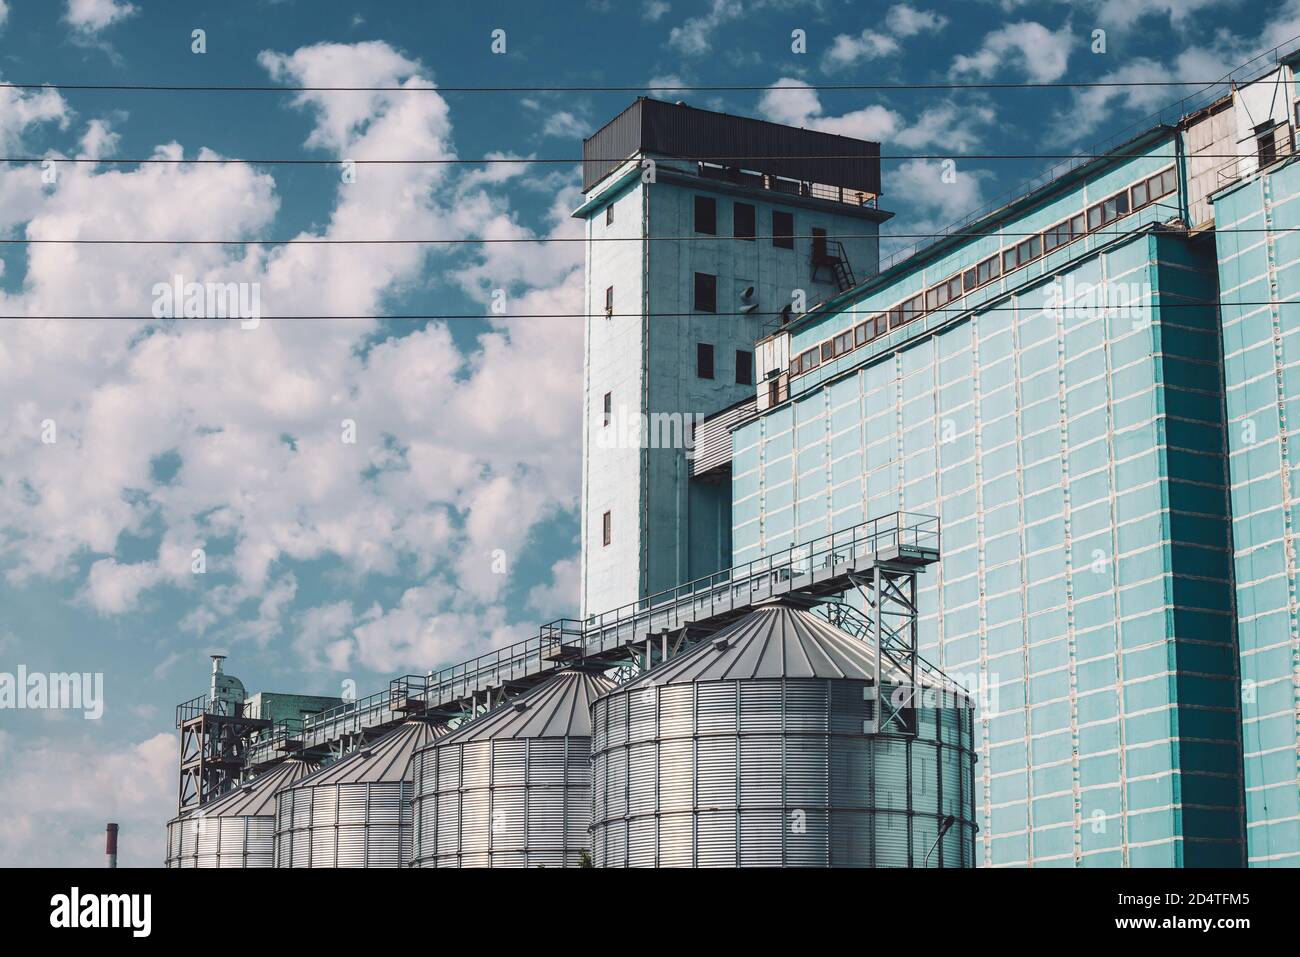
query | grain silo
[757, 748]
[512, 788]
[357, 811]
[238, 828]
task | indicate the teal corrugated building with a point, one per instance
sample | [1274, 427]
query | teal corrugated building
[1092, 387]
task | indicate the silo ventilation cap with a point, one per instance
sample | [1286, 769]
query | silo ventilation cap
[521, 705]
[721, 644]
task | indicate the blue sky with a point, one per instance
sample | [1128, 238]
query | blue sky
[330, 562]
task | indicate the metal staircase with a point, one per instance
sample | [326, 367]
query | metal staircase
[829, 254]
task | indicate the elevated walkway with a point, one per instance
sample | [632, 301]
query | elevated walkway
[901, 543]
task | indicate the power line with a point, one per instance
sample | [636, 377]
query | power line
[441, 317]
[682, 88]
[568, 161]
[524, 240]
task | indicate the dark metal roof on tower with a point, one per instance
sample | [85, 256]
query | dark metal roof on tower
[678, 130]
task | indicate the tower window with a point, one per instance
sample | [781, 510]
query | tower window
[606, 531]
[782, 229]
[704, 360]
[744, 367]
[706, 215]
[742, 226]
[706, 292]
[609, 215]
[609, 302]
[609, 409]
[1265, 144]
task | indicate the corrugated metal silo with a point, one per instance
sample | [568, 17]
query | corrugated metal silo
[511, 788]
[356, 812]
[237, 829]
[754, 749]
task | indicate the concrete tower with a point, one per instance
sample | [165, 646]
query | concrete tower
[701, 228]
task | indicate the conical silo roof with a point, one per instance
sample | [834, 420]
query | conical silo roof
[257, 797]
[388, 759]
[559, 707]
[773, 641]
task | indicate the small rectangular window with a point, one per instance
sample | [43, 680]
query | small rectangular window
[1094, 218]
[933, 297]
[1027, 251]
[1009, 260]
[609, 215]
[1140, 194]
[811, 359]
[895, 317]
[609, 409]
[882, 324]
[606, 529]
[706, 215]
[782, 229]
[744, 367]
[828, 351]
[1168, 181]
[742, 226]
[968, 280]
[609, 301]
[704, 360]
[774, 392]
[1076, 226]
[706, 292]
[860, 334]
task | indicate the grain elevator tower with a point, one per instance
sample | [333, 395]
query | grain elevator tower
[701, 229]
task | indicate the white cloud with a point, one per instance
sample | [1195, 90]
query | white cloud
[878, 41]
[904, 20]
[1040, 53]
[868, 45]
[796, 103]
[4, 12]
[565, 125]
[654, 10]
[91, 16]
[695, 36]
[99, 140]
[560, 597]
[59, 795]
[449, 464]
[322, 639]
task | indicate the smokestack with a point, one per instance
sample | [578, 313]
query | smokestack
[110, 845]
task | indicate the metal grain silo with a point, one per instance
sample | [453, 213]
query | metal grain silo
[357, 811]
[757, 748]
[237, 829]
[511, 788]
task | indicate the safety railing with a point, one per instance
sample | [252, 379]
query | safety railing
[188, 710]
[568, 639]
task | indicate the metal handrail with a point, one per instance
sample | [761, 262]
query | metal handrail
[448, 684]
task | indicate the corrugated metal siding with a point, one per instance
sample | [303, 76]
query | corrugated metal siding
[352, 824]
[220, 836]
[713, 437]
[504, 803]
[670, 129]
[770, 772]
